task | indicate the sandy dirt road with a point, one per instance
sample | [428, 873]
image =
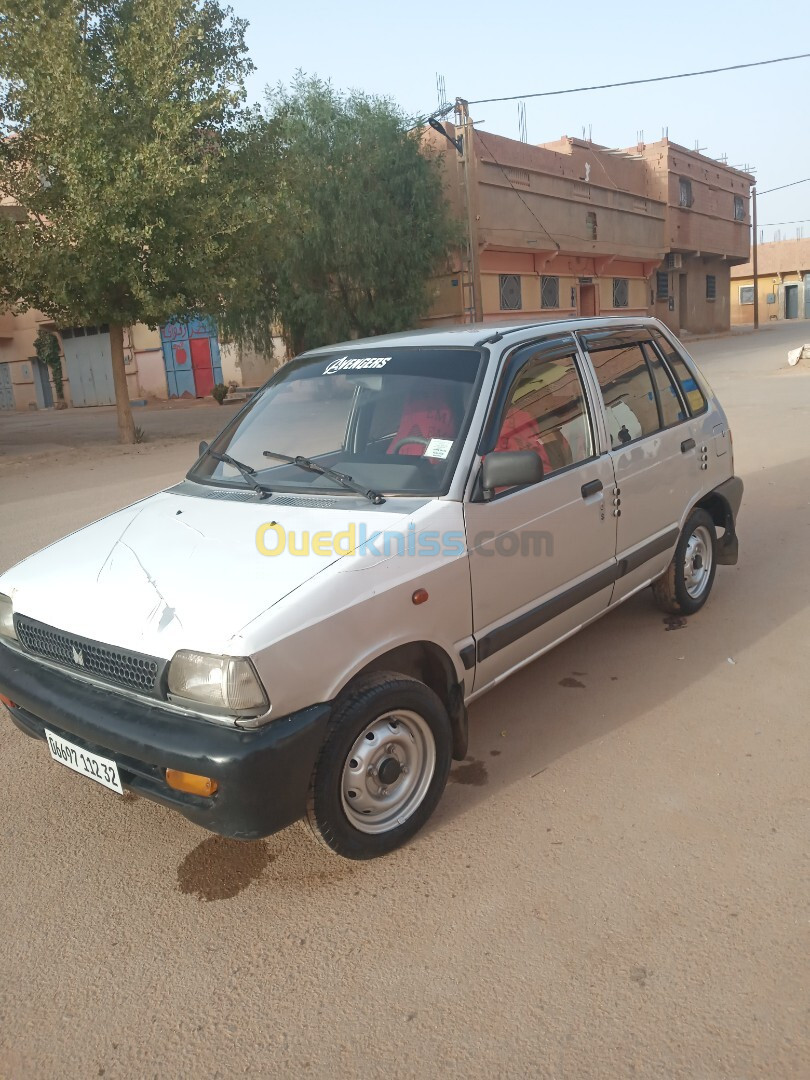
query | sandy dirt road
[616, 883]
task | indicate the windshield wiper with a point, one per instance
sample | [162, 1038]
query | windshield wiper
[246, 471]
[333, 474]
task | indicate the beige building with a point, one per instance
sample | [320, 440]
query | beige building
[574, 228]
[783, 283]
[175, 361]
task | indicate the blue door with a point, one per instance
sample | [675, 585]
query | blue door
[177, 339]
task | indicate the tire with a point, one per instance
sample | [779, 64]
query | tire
[684, 587]
[382, 768]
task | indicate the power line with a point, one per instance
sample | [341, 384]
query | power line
[770, 224]
[783, 186]
[638, 82]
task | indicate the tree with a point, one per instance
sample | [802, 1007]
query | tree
[46, 348]
[361, 222]
[130, 156]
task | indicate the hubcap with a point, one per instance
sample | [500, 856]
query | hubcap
[388, 771]
[697, 564]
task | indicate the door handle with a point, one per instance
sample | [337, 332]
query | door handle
[687, 445]
[591, 488]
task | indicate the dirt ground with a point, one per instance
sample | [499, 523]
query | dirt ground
[615, 884]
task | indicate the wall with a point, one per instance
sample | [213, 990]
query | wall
[17, 335]
[701, 316]
[709, 225]
[246, 367]
[570, 271]
[767, 284]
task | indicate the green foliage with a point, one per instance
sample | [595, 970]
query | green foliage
[219, 392]
[361, 221]
[46, 347]
[126, 143]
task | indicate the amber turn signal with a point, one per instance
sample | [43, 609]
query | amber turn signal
[190, 782]
[9, 704]
[420, 596]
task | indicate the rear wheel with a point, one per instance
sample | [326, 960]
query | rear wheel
[684, 587]
[382, 768]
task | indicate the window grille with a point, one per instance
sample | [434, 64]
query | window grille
[510, 292]
[621, 292]
[549, 292]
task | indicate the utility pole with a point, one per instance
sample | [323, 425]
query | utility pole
[462, 113]
[754, 255]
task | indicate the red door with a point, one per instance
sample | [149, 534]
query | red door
[202, 366]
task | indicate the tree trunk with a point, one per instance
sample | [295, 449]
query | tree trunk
[126, 425]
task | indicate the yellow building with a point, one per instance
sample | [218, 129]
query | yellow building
[783, 283]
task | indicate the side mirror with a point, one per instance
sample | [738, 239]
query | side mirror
[203, 447]
[510, 468]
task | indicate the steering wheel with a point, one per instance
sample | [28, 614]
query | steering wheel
[408, 439]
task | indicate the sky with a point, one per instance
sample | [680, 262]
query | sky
[758, 117]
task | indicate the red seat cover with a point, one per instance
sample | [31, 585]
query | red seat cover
[426, 417]
[520, 432]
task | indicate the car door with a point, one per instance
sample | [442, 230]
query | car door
[655, 454]
[542, 557]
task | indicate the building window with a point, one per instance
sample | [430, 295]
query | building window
[662, 285]
[590, 225]
[549, 292]
[685, 192]
[621, 292]
[711, 287]
[746, 294]
[739, 208]
[510, 292]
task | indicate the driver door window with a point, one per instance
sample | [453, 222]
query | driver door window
[546, 413]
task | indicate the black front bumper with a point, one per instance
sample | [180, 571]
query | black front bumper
[263, 775]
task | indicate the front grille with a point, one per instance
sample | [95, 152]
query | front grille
[134, 671]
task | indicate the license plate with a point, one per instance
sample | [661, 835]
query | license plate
[101, 769]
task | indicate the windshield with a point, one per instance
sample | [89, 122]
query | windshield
[389, 419]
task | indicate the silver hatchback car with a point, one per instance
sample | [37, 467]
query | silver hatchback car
[413, 518]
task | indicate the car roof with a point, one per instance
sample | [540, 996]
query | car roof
[475, 334]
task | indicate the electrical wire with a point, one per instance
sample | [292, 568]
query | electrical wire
[783, 186]
[770, 224]
[638, 82]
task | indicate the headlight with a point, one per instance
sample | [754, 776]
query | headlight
[7, 618]
[225, 683]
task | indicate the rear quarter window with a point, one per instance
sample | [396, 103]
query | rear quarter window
[691, 391]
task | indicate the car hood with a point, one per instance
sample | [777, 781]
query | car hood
[177, 572]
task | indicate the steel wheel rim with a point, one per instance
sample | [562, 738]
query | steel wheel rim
[697, 563]
[374, 799]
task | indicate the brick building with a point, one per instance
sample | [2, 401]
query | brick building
[574, 228]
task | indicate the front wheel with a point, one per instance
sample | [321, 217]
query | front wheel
[382, 768]
[684, 587]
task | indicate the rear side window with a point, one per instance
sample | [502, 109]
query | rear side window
[630, 401]
[691, 390]
[673, 410]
